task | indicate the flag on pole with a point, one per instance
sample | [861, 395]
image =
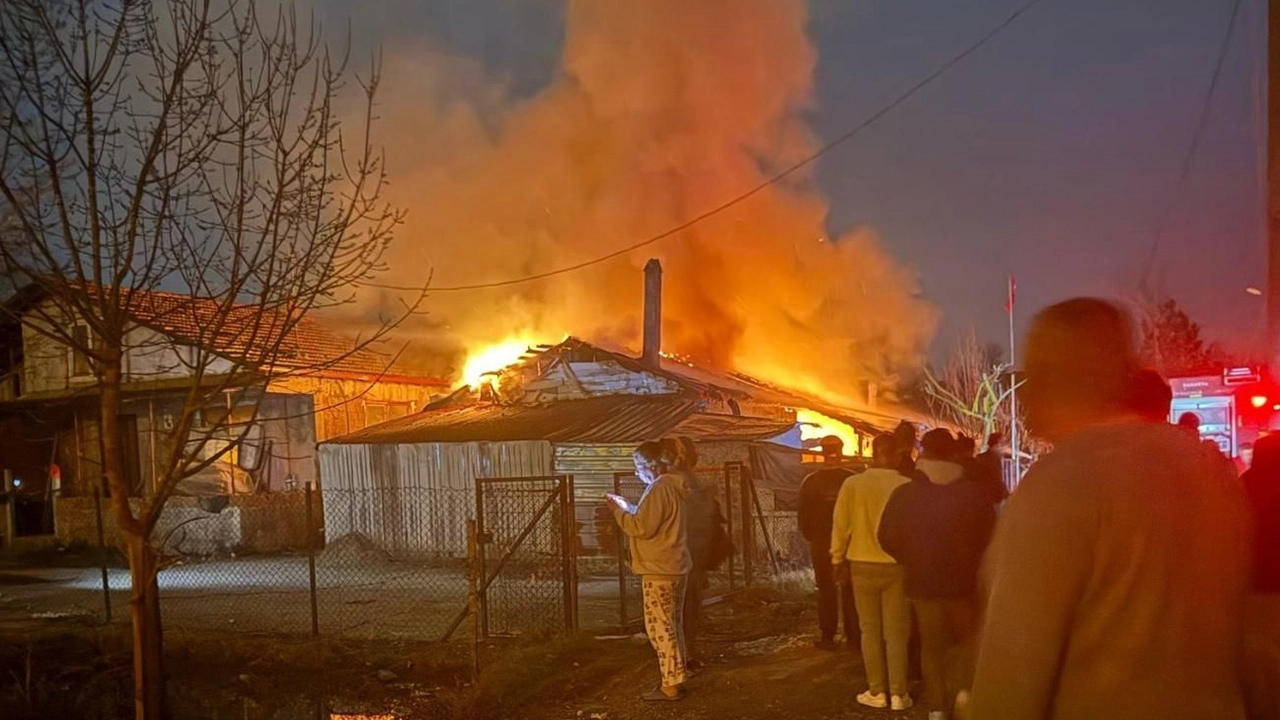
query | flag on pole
[1013, 294]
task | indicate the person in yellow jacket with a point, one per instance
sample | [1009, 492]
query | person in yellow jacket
[884, 617]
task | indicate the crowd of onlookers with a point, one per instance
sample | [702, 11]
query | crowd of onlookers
[1122, 579]
[1132, 574]
[902, 538]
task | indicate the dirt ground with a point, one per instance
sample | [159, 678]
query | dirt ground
[762, 665]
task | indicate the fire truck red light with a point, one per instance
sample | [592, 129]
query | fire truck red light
[1258, 400]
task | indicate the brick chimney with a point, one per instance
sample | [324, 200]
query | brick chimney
[652, 314]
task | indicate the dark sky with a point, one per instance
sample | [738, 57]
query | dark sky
[1053, 152]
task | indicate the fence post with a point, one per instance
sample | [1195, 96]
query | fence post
[764, 528]
[728, 517]
[621, 548]
[569, 523]
[102, 552]
[311, 563]
[748, 534]
[473, 601]
[482, 601]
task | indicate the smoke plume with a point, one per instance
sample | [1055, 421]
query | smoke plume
[661, 110]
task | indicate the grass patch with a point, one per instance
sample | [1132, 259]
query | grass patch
[559, 669]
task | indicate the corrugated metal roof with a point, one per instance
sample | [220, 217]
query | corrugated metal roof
[610, 419]
[601, 420]
[711, 427]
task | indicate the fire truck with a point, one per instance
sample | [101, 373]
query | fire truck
[1234, 408]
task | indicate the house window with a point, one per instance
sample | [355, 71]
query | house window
[81, 338]
[374, 414]
[380, 412]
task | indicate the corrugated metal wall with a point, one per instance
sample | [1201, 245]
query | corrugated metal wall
[416, 499]
[592, 468]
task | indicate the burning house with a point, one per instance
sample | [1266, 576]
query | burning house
[51, 451]
[574, 408]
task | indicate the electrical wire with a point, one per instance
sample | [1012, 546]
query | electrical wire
[1202, 122]
[773, 180]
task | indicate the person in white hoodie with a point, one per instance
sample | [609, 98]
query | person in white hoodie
[884, 617]
[660, 556]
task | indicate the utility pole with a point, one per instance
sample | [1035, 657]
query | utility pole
[1273, 185]
[1013, 385]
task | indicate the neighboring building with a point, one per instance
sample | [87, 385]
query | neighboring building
[49, 417]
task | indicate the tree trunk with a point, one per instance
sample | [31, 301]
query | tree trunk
[148, 645]
[144, 601]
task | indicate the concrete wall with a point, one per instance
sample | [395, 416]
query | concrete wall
[262, 523]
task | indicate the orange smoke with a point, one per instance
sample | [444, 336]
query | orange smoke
[663, 109]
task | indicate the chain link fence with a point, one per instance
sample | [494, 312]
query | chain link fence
[393, 563]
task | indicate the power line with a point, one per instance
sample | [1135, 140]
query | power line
[1202, 121]
[785, 173]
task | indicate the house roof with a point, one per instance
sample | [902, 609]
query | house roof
[705, 381]
[238, 332]
[610, 419]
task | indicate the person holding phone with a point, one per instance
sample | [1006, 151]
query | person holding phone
[660, 556]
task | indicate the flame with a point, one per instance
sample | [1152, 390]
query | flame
[492, 358]
[814, 426]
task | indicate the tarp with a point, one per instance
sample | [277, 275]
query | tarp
[781, 470]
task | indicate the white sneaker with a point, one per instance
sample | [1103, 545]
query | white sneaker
[870, 699]
[901, 702]
[937, 715]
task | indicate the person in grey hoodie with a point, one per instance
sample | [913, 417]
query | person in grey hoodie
[660, 556]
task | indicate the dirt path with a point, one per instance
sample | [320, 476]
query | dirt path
[762, 665]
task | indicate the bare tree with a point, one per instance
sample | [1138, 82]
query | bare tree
[972, 393]
[192, 147]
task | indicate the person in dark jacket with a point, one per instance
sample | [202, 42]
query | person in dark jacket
[815, 516]
[702, 516]
[1261, 660]
[938, 526]
[988, 470]
[1189, 423]
[1152, 397]
[905, 438]
[1262, 488]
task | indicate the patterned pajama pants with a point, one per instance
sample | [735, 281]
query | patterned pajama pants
[664, 623]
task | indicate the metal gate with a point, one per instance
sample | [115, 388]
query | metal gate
[527, 542]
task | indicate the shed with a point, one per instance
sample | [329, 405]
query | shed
[409, 483]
